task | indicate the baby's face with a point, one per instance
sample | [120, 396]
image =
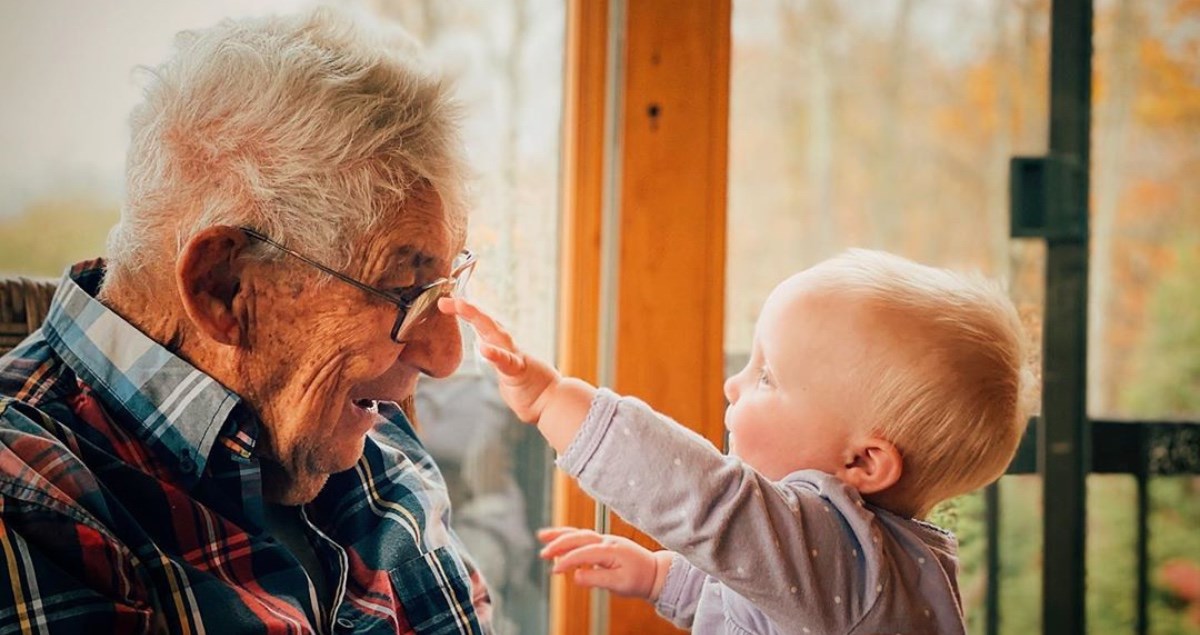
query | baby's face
[794, 405]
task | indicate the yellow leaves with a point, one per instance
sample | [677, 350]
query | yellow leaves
[977, 115]
[1143, 194]
[1184, 10]
[1169, 94]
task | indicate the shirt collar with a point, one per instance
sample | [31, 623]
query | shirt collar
[169, 404]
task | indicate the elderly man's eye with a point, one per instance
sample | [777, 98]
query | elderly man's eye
[408, 294]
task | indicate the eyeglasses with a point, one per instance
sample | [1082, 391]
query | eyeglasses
[415, 305]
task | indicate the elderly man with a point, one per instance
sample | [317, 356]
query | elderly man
[203, 436]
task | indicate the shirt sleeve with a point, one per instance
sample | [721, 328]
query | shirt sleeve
[65, 576]
[680, 593]
[787, 548]
[481, 597]
[63, 571]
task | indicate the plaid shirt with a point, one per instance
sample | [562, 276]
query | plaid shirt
[131, 501]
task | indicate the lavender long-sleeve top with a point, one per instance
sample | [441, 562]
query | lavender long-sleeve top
[802, 555]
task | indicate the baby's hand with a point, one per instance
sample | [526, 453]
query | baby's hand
[525, 382]
[609, 562]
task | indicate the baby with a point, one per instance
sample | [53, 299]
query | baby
[876, 388]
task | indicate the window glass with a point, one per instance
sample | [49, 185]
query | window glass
[1144, 327]
[890, 126]
[507, 58]
[68, 75]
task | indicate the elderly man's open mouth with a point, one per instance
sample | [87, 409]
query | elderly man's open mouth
[369, 405]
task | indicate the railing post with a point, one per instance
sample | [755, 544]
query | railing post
[1050, 200]
[1066, 448]
[1143, 529]
[991, 502]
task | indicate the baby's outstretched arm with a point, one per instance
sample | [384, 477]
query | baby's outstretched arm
[609, 562]
[532, 388]
[779, 546]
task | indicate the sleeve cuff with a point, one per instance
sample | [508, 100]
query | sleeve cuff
[668, 603]
[591, 432]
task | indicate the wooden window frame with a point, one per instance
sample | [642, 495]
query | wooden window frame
[644, 192]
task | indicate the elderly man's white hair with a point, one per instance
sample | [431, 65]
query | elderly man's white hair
[305, 127]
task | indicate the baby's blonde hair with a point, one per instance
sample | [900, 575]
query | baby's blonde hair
[953, 399]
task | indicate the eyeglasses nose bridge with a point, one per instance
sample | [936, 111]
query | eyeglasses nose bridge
[420, 309]
[454, 284]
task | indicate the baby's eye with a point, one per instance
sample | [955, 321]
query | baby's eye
[763, 378]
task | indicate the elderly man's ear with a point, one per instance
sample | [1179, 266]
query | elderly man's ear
[209, 277]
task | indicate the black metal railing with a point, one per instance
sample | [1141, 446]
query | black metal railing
[1049, 200]
[1141, 449]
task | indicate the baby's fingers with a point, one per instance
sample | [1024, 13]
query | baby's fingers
[568, 541]
[506, 362]
[546, 534]
[604, 578]
[600, 554]
[486, 326]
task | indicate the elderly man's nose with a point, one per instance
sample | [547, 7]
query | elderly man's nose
[435, 345]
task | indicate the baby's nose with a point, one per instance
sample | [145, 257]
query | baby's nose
[731, 389]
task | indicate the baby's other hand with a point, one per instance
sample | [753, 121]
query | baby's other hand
[609, 562]
[525, 381]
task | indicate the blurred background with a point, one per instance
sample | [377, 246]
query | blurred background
[884, 124]
[890, 124]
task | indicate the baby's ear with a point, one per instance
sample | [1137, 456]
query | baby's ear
[873, 465]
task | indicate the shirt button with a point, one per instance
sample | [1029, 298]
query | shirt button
[185, 462]
[344, 625]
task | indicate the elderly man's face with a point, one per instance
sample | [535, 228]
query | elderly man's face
[321, 357]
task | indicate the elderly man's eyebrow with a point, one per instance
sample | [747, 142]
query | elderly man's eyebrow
[411, 257]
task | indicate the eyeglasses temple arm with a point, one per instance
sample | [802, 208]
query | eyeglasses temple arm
[340, 276]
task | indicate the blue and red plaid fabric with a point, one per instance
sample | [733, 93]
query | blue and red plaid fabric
[131, 501]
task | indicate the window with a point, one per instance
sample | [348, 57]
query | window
[1144, 339]
[507, 59]
[891, 127]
